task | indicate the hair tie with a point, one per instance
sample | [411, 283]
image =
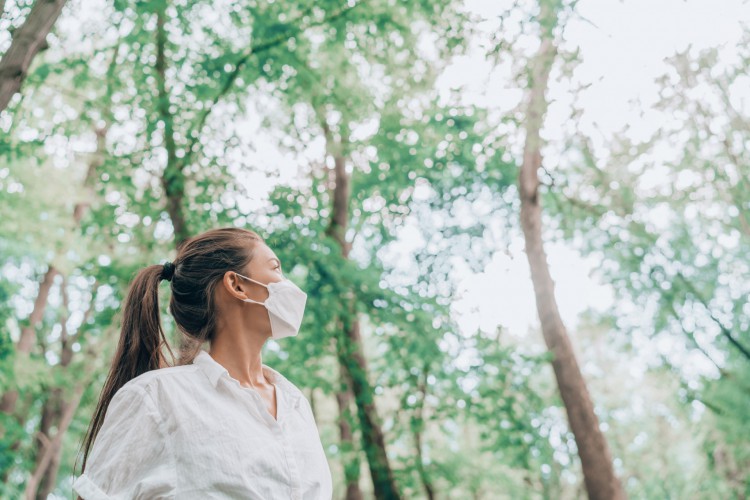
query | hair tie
[168, 271]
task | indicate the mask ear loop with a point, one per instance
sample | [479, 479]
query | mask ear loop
[258, 282]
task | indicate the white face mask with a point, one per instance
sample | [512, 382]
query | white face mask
[285, 304]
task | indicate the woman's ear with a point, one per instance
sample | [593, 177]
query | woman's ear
[234, 285]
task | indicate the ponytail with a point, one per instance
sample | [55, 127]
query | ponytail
[139, 347]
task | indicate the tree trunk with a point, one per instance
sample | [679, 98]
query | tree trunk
[50, 414]
[26, 42]
[48, 460]
[348, 451]
[55, 404]
[417, 428]
[28, 334]
[60, 411]
[351, 356]
[56, 400]
[599, 477]
[349, 344]
[173, 179]
[53, 446]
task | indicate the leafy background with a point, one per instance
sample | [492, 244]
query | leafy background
[142, 123]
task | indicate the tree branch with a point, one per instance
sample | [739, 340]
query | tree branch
[26, 42]
[724, 330]
[238, 66]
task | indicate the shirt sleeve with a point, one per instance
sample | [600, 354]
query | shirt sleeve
[130, 457]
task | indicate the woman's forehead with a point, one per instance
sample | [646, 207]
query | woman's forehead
[265, 254]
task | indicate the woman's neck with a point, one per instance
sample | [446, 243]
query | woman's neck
[241, 356]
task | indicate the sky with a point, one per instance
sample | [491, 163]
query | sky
[623, 49]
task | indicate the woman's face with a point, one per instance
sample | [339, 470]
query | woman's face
[265, 268]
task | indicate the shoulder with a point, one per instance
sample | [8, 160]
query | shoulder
[153, 381]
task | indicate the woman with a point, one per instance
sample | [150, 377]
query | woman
[225, 425]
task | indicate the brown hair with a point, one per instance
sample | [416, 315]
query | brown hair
[198, 269]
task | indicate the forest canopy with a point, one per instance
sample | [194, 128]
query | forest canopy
[523, 229]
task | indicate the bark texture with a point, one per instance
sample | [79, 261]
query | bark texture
[599, 476]
[26, 42]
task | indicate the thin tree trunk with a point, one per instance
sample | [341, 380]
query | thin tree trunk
[49, 475]
[26, 42]
[417, 427]
[349, 344]
[56, 401]
[173, 179]
[52, 446]
[348, 452]
[52, 411]
[351, 356]
[601, 481]
[46, 467]
[28, 334]
[49, 409]
[81, 208]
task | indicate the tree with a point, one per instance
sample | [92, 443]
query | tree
[668, 215]
[599, 476]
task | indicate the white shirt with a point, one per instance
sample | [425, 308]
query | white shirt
[193, 432]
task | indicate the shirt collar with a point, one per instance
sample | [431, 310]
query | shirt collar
[215, 371]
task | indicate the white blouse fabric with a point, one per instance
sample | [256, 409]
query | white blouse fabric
[193, 432]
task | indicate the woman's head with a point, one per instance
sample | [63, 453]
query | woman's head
[204, 268]
[205, 287]
[235, 320]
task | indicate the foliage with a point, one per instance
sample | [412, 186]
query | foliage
[101, 129]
